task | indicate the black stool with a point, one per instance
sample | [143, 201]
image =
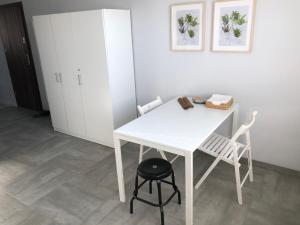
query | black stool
[155, 169]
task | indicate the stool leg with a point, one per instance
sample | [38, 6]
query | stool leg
[160, 202]
[135, 193]
[136, 188]
[131, 205]
[176, 188]
[150, 186]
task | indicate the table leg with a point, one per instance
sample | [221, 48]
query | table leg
[118, 155]
[189, 188]
[235, 120]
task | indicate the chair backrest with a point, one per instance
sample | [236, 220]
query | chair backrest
[150, 106]
[244, 128]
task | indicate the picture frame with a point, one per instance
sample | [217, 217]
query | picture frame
[188, 26]
[233, 23]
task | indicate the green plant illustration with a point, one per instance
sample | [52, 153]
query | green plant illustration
[236, 18]
[187, 24]
[191, 33]
[233, 23]
[226, 23]
[191, 20]
[181, 26]
[237, 32]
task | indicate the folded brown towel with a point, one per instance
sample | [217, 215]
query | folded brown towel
[185, 103]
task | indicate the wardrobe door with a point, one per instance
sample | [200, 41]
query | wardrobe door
[90, 44]
[66, 52]
[120, 64]
[50, 69]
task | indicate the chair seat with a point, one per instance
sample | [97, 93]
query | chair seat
[216, 143]
[154, 169]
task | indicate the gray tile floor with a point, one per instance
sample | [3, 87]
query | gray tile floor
[47, 178]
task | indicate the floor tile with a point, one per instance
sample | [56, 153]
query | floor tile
[8, 206]
[36, 183]
[68, 205]
[11, 169]
[28, 217]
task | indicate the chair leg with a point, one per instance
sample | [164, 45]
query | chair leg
[141, 153]
[176, 188]
[160, 202]
[163, 155]
[150, 186]
[250, 165]
[249, 156]
[238, 183]
[211, 167]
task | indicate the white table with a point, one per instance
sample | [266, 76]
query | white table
[172, 129]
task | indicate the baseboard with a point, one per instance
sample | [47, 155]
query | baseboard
[87, 138]
[84, 137]
[279, 169]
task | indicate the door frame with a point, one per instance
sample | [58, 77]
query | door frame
[20, 4]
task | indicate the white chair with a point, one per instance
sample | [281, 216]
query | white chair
[142, 111]
[230, 151]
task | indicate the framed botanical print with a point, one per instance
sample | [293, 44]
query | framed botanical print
[233, 25]
[187, 26]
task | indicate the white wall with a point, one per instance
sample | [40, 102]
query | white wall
[267, 79]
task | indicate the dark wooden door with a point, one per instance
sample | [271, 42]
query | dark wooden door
[17, 49]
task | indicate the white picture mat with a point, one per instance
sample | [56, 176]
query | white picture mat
[216, 27]
[174, 9]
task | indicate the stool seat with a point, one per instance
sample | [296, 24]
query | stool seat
[154, 169]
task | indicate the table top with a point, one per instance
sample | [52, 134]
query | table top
[171, 126]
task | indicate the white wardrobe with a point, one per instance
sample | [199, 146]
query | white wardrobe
[87, 65]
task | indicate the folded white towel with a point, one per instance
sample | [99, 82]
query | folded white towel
[217, 99]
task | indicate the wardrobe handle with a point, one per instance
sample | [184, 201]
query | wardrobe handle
[60, 77]
[56, 77]
[79, 79]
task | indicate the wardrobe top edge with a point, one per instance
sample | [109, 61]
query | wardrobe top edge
[95, 10]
